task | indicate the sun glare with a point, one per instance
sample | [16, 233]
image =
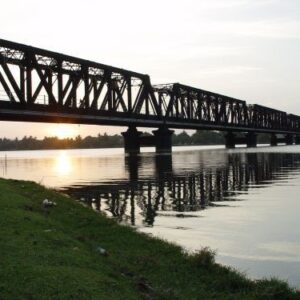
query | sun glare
[63, 131]
[63, 165]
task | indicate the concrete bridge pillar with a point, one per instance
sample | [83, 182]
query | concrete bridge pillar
[274, 140]
[163, 139]
[251, 139]
[289, 139]
[297, 139]
[230, 140]
[131, 140]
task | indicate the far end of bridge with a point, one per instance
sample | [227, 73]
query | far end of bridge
[161, 139]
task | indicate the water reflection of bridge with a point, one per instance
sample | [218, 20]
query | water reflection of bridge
[141, 200]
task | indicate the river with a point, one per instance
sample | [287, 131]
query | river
[243, 202]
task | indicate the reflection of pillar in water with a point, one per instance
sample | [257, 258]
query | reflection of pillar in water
[218, 180]
[132, 164]
[160, 194]
[192, 194]
[225, 179]
[252, 160]
[173, 188]
[150, 211]
[210, 187]
[247, 174]
[178, 197]
[117, 207]
[132, 206]
[163, 165]
[241, 175]
[202, 191]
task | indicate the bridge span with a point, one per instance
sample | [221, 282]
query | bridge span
[44, 86]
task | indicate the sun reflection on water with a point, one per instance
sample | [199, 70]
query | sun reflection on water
[63, 164]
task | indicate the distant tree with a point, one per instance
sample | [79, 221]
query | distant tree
[207, 137]
[182, 139]
[200, 137]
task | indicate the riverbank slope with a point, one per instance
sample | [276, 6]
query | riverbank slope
[72, 252]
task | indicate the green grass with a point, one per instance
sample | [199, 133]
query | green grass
[55, 256]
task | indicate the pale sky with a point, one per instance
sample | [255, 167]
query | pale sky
[248, 49]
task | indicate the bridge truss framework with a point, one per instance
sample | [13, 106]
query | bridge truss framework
[44, 86]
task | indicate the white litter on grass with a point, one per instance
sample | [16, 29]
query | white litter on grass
[102, 251]
[47, 203]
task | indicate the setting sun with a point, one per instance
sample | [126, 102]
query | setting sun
[62, 131]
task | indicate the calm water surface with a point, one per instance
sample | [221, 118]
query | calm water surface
[243, 202]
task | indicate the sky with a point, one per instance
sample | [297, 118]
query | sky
[247, 49]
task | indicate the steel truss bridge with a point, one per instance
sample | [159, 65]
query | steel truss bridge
[43, 86]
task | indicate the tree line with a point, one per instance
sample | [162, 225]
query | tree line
[200, 137]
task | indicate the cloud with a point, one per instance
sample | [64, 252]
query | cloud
[229, 30]
[218, 4]
[234, 70]
[280, 29]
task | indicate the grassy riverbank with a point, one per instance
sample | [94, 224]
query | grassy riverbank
[59, 256]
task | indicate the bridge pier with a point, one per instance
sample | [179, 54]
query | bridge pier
[251, 139]
[289, 139]
[230, 140]
[297, 139]
[274, 140]
[132, 140]
[163, 139]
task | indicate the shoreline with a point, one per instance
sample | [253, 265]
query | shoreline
[112, 147]
[69, 251]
